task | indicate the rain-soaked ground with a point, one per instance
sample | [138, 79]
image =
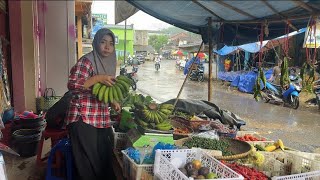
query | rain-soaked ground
[299, 129]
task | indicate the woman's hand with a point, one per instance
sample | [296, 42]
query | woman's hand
[116, 106]
[106, 79]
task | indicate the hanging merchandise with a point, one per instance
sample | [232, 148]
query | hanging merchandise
[5, 91]
[312, 35]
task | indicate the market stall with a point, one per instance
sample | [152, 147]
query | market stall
[240, 155]
[152, 140]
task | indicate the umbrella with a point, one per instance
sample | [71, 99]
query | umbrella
[180, 53]
[201, 55]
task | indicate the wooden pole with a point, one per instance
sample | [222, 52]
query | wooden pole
[187, 76]
[125, 41]
[210, 58]
[79, 39]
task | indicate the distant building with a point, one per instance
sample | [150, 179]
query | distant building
[119, 32]
[141, 45]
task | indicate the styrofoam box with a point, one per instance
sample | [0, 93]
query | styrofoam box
[255, 134]
[167, 162]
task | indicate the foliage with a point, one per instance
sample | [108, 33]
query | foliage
[158, 41]
[308, 76]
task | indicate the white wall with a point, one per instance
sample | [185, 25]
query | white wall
[57, 48]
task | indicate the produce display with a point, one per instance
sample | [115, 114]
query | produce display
[278, 145]
[246, 172]
[181, 130]
[117, 92]
[142, 111]
[206, 143]
[195, 170]
[255, 158]
[221, 128]
[249, 137]
[153, 113]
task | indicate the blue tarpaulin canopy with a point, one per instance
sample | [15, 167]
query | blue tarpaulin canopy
[233, 20]
[253, 47]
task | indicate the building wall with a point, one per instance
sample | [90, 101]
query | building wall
[141, 37]
[57, 38]
[30, 62]
[120, 45]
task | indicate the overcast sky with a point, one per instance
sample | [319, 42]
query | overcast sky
[141, 20]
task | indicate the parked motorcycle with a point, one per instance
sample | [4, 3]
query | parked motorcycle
[135, 68]
[129, 61]
[132, 76]
[197, 74]
[290, 96]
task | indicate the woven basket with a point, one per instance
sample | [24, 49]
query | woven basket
[240, 149]
[192, 124]
[178, 124]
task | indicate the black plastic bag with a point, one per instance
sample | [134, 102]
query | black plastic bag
[56, 114]
[210, 109]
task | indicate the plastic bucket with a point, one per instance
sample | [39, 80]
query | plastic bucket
[25, 141]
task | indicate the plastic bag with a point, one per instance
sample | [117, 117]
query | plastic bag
[208, 134]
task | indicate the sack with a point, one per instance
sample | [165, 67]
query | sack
[46, 102]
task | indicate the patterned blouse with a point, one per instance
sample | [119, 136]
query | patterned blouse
[83, 104]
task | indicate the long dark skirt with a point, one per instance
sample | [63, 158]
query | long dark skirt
[92, 151]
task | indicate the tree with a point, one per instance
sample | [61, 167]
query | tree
[158, 41]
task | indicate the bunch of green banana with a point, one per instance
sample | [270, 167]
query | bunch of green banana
[117, 92]
[284, 79]
[164, 126]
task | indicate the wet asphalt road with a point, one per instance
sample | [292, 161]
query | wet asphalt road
[298, 129]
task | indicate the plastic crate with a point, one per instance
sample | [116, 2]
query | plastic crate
[290, 165]
[164, 169]
[120, 139]
[254, 134]
[134, 171]
[314, 175]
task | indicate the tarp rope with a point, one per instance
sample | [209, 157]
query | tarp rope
[261, 40]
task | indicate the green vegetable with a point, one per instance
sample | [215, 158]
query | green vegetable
[206, 143]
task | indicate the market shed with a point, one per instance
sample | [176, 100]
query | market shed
[231, 20]
[227, 21]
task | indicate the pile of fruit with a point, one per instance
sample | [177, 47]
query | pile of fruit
[195, 170]
[255, 158]
[249, 137]
[206, 143]
[181, 130]
[154, 115]
[278, 145]
[117, 92]
[246, 172]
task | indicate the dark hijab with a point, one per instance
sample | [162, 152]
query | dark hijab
[102, 65]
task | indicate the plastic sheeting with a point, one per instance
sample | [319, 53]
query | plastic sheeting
[193, 16]
[245, 81]
[256, 46]
[188, 64]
